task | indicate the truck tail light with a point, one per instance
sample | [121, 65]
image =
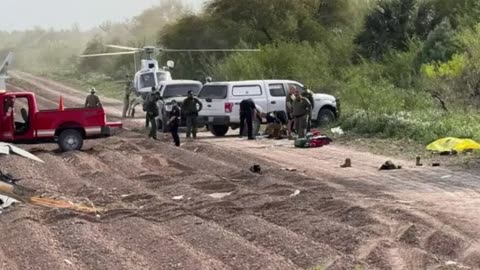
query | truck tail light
[228, 107]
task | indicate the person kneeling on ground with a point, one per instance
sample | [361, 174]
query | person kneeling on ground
[276, 121]
[174, 122]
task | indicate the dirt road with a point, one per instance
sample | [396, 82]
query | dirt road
[164, 210]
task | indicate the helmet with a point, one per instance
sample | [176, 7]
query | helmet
[93, 90]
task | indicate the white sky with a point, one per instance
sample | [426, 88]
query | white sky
[26, 14]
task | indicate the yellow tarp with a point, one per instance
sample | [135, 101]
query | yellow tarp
[453, 144]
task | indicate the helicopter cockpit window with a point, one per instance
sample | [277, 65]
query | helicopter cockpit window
[147, 80]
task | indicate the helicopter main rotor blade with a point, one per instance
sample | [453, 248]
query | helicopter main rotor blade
[106, 54]
[208, 50]
[124, 48]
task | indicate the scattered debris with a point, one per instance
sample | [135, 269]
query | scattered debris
[220, 195]
[289, 169]
[347, 164]
[196, 149]
[68, 262]
[178, 198]
[337, 131]
[256, 169]
[448, 153]
[6, 149]
[64, 204]
[446, 177]
[296, 193]
[8, 178]
[436, 165]
[419, 162]
[389, 165]
[6, 202]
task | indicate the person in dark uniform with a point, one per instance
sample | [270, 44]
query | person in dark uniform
[151, 109]
[145, 102]
[174, 122]
[247, 113]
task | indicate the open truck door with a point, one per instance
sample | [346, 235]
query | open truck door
[7, 130]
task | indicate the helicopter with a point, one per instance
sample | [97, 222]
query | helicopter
[151, 74]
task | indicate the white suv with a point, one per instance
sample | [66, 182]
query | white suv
[221, 102]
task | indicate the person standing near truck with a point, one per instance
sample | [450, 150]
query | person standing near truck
[92, 100]
[289, 108]
[145, 102]
[190, 108]
[151, 109]
[308, 94]
[174, 122]
[247, 113]
[301, 110]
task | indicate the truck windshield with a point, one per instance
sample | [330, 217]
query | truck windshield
[213, 92]
[180, 90]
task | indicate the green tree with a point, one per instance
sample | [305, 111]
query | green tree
[440, 44]
[389, 27]
[460, 12]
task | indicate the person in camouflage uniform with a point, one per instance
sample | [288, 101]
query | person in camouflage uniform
[308, 94]
[92, 100]
[126, 97]
[301, 110]
[289, 109]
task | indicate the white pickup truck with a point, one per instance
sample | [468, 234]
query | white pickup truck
[221, 102]
[174, 90]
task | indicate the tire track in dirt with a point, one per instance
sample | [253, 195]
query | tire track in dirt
[82, 164]
[21, 241]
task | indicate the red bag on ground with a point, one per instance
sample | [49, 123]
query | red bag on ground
[319, 141]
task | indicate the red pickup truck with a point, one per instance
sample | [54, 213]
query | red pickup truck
[22, 122]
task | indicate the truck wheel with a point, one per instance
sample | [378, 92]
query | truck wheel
[70, 140]
[325, 117]
[218, 131]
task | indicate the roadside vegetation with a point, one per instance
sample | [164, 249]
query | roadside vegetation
[403, 69]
